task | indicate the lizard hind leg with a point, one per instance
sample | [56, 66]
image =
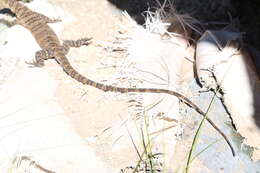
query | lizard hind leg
[67, 44]
[40, 56]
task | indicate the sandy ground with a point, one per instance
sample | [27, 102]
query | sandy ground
[59, 122]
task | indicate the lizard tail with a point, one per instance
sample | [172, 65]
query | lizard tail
[82, 79]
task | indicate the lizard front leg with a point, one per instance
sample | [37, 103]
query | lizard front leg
[41, 18]
[67, 44]
[40, 56]
[47, 19]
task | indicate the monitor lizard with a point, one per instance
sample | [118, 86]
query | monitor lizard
[51, 47]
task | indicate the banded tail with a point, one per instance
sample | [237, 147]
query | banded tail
[82, 79]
